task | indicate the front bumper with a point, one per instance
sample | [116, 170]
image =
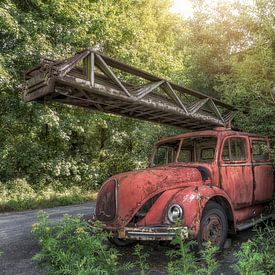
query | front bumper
[150, 233]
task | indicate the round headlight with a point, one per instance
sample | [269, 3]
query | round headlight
[174, 213]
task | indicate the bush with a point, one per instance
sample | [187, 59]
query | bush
[184, 261]
[141, 259]
[71, 246]
[18, 194]
[257, 256]
[209, 261]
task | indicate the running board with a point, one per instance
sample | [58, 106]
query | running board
[247, 224]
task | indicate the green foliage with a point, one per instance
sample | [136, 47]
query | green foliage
[182, 259]
[225, 50]
[65, 146]
[141, 259]
[250, 260]
[71, 246]
[19, 195]
[271, 206]
[257, 256]
[209, 261]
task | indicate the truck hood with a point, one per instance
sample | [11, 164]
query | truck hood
[124, 194]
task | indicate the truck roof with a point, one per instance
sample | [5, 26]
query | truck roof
[218, 131]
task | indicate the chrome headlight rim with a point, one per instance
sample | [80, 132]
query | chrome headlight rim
[173, 215]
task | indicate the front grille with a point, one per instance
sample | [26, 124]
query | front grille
[106, 202]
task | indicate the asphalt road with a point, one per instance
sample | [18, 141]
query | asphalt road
[19, 245]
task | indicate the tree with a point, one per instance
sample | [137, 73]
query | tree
[66, 146]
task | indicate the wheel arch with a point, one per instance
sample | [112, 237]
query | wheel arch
[194, 200]
[225, 204]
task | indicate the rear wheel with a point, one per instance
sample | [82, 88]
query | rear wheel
[121, 242]
[213, 226]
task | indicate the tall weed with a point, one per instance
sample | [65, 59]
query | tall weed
[208, 259]
[183, 260]
[71, 246]
[257, 256]
[141, 262]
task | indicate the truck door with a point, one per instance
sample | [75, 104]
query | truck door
[262, 170]
[236, 171]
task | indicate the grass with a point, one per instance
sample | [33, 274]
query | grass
[257, 256]
[21, 196]
[184, 260]
[71, 246]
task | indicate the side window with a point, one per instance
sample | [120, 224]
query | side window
[207, 154]
[166, 153]
[185, 155]
[161, 156]
[234, 149]
[225, 151]
[260, 150]
[237, 149]
[171, 154]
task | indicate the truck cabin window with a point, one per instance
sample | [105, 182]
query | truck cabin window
[234, 149]
[260, 150]
[198, 149]
[166, 153]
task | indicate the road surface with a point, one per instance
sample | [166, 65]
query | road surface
[19, 245]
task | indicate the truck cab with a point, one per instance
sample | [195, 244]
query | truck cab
[203, 183]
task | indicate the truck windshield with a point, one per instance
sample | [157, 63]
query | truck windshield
[194, 149]
[198, 149]
[166, 153]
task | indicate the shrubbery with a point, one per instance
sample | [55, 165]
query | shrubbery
[184, 261]
[72, 246]
[18, 194]
[257, 256]
[60, 145]
[141, 262]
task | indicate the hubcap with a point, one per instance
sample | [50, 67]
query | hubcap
[212, 229]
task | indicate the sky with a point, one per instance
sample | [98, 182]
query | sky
[184, 7]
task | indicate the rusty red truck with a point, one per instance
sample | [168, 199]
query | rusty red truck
[207, 182]
[212, 181]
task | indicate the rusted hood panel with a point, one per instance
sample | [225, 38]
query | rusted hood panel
[135, 188]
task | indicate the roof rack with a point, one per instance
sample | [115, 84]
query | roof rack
[92, 80]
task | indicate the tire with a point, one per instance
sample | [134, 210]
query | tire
[121, 242]
[213, 226]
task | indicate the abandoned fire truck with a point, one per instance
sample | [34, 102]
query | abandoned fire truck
[206, 183]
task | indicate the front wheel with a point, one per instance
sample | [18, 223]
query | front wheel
[121, 242]
[213, 226]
